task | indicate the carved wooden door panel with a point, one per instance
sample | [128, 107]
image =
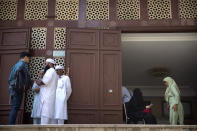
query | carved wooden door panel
[94, 59]
[12, 42]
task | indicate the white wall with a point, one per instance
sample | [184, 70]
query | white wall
[159, 91]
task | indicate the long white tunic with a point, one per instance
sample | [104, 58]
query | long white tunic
[48, 94]
[63, 93]
[36, 104]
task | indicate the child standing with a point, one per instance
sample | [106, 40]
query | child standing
[36, 91]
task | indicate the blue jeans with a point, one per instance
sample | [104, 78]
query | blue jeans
[16, 101]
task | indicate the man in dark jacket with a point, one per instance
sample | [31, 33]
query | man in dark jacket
[19, 80]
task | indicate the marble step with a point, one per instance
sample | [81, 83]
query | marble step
[98, 127]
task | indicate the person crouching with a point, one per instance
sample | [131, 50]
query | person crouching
[63, 93]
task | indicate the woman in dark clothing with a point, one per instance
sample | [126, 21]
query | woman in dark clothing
[138, 110]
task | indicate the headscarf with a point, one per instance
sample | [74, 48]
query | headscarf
[138, 98]
[171, 83]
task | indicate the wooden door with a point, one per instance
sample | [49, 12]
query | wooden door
[84, 78]
[94, 59]
[12, 42]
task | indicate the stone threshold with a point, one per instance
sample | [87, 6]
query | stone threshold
[98, 127]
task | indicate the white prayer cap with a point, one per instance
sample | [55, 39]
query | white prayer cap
[59, 67]
[50, 61]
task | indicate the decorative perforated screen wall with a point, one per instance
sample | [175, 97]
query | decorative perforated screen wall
[36, 9]
[38, 38]
[36, 64]
[60, 38]
[97, 9]
[8, 9]
[188, 9]
[128, 9]
[67, 9]
[59, 61]
[159, 9]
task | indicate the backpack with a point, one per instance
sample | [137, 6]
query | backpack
[19, 80]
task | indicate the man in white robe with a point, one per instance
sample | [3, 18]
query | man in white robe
[63, 93]
[48, 93]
